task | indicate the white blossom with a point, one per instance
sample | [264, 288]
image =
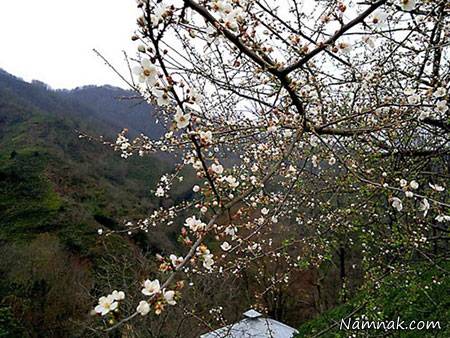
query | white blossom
[217, 168]
[397, 203]
[442, 106]
[159, 192]
[315, 161]
[182, 120]
[162, 97]
[232, 182]
[442, 218]
[143, 308]
[407, 5]
[151, 287]
[195, 96]
[208, 261]
[175, 260]
[195, 224]
[424, 206]
[414, 185]
[106, 304]
[225, 246]
[345, 47]
[332, 160]
[403, 183]
[378, 18]
[436, 187]
[440, 92]
[169, 297]
[206, 137]
[118, 295]
[146, 72]
[413, 99]
[231, 231]
[424, 114]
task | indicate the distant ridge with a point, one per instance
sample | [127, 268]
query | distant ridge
[106, 108]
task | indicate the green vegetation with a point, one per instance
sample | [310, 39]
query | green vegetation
[27, 198]
[56, 191]
[419, 295]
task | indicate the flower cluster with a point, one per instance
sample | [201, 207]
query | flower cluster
[159, 297]
[109, 303]
[205, 256]
[195, 225]
[229, 15]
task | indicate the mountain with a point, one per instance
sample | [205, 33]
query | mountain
[57, 190]
[106, 108]
[39, 139]
[117, 108]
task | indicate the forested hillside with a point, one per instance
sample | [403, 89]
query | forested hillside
[57, 190]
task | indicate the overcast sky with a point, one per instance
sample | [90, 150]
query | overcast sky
[52, 40]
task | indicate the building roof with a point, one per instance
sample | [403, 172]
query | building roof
[254, 325]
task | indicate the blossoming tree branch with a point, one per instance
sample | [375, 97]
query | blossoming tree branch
[311, 126]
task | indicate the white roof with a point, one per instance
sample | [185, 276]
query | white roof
[253, 326]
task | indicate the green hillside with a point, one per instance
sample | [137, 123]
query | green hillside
[56, 191]
[415, 295]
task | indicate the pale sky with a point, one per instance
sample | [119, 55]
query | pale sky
[52, 40]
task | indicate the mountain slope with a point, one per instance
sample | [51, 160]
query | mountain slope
[56, 190]
[39, 140]
[107, 109]
[118, 108]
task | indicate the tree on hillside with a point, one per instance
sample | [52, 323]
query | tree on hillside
[317, 130]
